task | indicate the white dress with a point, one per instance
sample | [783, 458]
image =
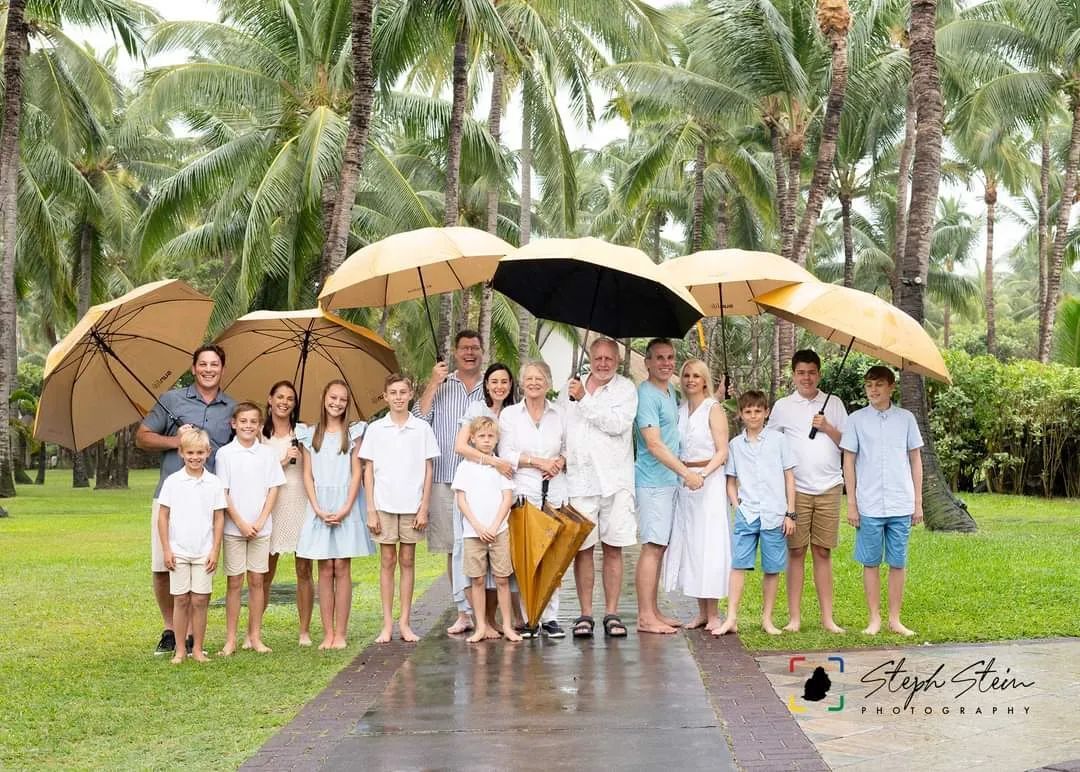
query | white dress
[290, 509]
[698, 559]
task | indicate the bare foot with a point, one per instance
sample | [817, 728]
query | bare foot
[512, 637]
[493, 625]
[655, 626]
[198, 656]
[305, 639]
[339, 643]
[178, 659]
[896, 627]
[792, 626]
[407, 634]
[327, 644]
[462, 625]
[873, 628]
[730, 625]
[385, 636]
[712, 624]
[260, 647]
[491, 633]
[247, 643]
[477, 636]
[696, 622]
[669, 621]
[832, 627]
[228, 649]
[770, 628]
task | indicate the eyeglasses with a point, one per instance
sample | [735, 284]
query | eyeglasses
[470, 348]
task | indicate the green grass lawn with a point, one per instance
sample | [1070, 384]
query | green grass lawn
[1015, 578]
[80, 686]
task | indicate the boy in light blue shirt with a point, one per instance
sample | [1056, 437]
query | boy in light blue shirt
[761, 488]
[883, 472]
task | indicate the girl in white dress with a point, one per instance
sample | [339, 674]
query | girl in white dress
[699, 556]
[335, 531]
[290, 510]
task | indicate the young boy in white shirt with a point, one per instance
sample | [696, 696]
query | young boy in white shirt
[191, 514]
[484, 497]
[251, 475]
[398, 449]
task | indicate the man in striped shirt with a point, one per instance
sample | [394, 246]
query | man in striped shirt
[444, 401]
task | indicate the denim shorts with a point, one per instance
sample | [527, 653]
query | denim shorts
[656, 514]
[744, 544]
[877, 534]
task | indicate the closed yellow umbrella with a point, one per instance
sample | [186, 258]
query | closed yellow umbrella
[413, 265]
[110, 369]
[725, 282]
[574, 528]
[532, 533]
[309, 347]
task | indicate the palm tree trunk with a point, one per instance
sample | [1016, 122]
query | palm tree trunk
[903, 181]
[42, 464]
[16, 46]
[19, 460]
[990, 197]
[337, 235]
[849, 240]
[628, 356]
[487, 294]
[453, 165]
[834, 19]
[1061, 237]
[721, 226]
[697, 223]
[1044, 208]
[525, 218]
[946, 313]
[942, 510]
[80, 475]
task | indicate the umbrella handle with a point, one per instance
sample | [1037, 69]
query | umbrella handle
[544, 492]
[813, 429]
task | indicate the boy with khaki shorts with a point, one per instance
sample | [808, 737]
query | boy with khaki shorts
[484, 497]
[398, 450]
[191, 516]
[251, 475]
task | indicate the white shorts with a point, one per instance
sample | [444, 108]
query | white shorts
[616, 525]
[243, 555]
[190, 576]
[157, 554]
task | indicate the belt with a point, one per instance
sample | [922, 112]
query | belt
[695, 464]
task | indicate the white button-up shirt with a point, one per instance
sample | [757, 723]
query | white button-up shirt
[881, 441]
[248, 474]
[599, 439]
[400, 455]
[519, 435]
[817, 461]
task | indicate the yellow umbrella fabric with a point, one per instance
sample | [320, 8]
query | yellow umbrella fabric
[725, 281]
[532, 532]
[863, 321]
[110, 369]
[574, 528]
[310, 348]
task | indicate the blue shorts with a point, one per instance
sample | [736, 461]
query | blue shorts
[745, 542]
[656, 514]
[877, 534]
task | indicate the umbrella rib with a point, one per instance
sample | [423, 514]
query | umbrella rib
[318, 351]
[457, 278]
[128, 336]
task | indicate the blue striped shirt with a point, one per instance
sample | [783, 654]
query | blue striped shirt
[449, 405]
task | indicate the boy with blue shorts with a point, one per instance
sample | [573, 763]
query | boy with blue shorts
[883, 472]
[761, 488]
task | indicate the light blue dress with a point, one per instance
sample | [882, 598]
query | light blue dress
[330, 468]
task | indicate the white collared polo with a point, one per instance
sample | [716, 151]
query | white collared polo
[399, 454]
[248, 474]
[192, 502]
[818, 460]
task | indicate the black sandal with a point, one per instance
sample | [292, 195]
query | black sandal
[583, 627]
[614, 627]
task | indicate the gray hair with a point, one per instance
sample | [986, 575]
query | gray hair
[604, 341]
[540, 365]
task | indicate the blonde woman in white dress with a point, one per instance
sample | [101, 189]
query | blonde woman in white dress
[698, 560]
[290, 510]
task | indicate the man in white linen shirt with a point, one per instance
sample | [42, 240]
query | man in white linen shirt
[818, 483]
[600, 478]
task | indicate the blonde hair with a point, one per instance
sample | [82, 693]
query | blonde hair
[320, 429]
[483, 422]
[701, 369]
[195, 439]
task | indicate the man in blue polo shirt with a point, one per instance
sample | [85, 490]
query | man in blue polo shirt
[202, 405]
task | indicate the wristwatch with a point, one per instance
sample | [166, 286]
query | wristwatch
[791, 516]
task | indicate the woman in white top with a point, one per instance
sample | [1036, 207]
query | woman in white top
[698, 558]
[532, 437]
[290, 509]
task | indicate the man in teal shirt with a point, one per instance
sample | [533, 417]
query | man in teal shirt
[657, 475]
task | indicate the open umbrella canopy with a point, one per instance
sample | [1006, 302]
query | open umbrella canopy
[110, 369]
[860, 320]
[309, 348]
[590, 283]
[725, 281]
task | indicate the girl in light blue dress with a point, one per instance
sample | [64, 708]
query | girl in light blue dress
[335, 530]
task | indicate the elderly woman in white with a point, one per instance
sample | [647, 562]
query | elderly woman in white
[532, 437]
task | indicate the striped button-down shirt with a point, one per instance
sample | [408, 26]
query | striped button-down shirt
[450, 403]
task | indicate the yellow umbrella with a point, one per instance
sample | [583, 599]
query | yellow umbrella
[310, 348]
[725, 281]
[108, 371]
[532, 532]
[858, 320]
[413, 265]
[574, 528]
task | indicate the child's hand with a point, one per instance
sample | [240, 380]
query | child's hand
[486, 535]
[211, 562]
[918, 516]
[853, 516]
[170, 559]
[789, 526]
[374, 522]
[421, 520]
[247, 530]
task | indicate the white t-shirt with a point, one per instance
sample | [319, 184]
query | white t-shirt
[483, 487]
[192, 502]
[400, 454]
[817, 461]
[248, 474]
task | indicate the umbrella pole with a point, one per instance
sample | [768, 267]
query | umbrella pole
[105, 348]
[813, 429]
[723, 342]
[427, 310]
[305, 349]
[592, 310]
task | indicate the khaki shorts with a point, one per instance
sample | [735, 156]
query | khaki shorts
[243, 555]
[190, 576]
[477, 555]
[396, 529]
[616, 525]
[440, 527]
[157, 554]
[817, 519]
